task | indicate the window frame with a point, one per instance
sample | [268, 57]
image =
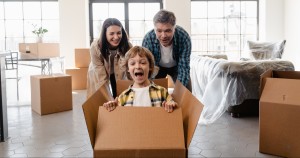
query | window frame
[22, 20]
[240, 34]
[126, 3]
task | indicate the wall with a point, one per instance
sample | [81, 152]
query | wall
[281, 22]
[182, 12]
[272, 20]
[262, 20]
[292, 32]
[74, 28]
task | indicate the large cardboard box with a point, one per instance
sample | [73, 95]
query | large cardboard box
[82, 57]
[79, 77]
[170, 82]
[124, 84]
[142, 131]
[40, 49]
[279, 119]
[51, 94]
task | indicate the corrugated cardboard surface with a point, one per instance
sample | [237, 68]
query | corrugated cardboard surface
[170, 82]
[79, 77]
[35, 94]
[48, 50]
[41, 49]
[279, 119]
[82, 57]
[144, 131]
[190, 116]
[91, 108]
[124, 84]
[51, 94]
[32, 47]
[277, 74]
[191, 110]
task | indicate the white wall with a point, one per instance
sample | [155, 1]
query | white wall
[74, 28]
[292, 32]
[272, 20]
[278, 20]
[262, 20]
[181, 9]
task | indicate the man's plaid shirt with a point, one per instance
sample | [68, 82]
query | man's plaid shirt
[157, 94]
[181, 51]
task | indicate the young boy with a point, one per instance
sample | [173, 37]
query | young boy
[139, 64]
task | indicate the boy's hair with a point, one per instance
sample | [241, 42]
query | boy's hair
[142, 52]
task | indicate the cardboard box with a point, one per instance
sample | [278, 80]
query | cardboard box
[142, 131]
[51, 94]
[82, 57]
[170, 82]
[122, 85]
[79, 77]
[279, 119]
[40, 49]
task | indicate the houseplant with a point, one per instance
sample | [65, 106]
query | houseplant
[39, 32]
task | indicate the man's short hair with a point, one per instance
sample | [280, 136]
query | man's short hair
[165, 17]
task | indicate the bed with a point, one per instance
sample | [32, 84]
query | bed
[223, 85]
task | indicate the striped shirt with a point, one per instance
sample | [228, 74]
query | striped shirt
[181, 51]
[157, 96]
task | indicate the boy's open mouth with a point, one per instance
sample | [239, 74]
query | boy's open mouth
[139, 74]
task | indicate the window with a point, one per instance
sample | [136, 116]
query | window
[222, 26]
[135, 15]
[18, 19]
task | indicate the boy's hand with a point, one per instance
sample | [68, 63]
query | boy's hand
[169, 105]
[111, 105]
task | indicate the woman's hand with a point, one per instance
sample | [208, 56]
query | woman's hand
[111, 105]
[169, 105]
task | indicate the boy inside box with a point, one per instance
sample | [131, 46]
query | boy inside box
[139, 65]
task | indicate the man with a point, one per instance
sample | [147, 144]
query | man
[171, 46]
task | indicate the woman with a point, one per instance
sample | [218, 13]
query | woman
[107, 57]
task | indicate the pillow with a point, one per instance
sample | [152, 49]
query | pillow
[266, 50]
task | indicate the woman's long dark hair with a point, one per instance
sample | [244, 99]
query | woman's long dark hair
[103, 43]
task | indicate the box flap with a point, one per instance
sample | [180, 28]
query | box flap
[191, 110]
[91, 107]
[124, 84]
[286, 74]
[161, 82]
[263, 77]
[281, 91]
[277, 74]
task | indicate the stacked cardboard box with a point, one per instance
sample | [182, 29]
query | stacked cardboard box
[279, 119]
[40, 49]
[142, 131]
[79, 73]
[51, 93]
